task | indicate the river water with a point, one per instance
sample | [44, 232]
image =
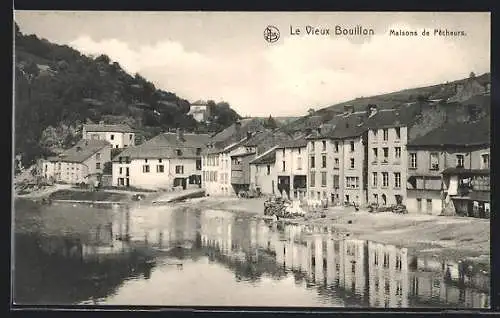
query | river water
[170, 256]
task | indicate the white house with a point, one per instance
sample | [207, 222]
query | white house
[291, 167]
[263, 173]
[118, 135]
[78, 164]
[167, 160]
[199, 110]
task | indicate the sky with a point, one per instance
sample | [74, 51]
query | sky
[223, 56]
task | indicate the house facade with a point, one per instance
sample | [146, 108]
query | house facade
[199, 110]
[438, 161]
[337, 165]
[263, 173]
[387, 162]
[81, 163]
[291, 168]
[167, 160]
[118, 135]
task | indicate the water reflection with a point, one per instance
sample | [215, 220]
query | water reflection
[90, 255]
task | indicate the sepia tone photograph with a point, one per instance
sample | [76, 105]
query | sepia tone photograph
[251, 159]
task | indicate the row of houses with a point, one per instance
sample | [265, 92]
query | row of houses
[404, 155]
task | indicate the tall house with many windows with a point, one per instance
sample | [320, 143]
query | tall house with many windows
[291, 166]
[449, 168]
[387, 159]
[165, 161]
[337, 165]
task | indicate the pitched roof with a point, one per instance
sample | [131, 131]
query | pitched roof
[267, 139]
[232, 134]
[200, 103]
[456, 134]
[267, 157]
[83, 150]
[294, 143]
[108, 127]
[463, 171]
[165, 145]
[389, 118]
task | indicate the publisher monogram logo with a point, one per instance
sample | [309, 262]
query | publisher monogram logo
[271, 34]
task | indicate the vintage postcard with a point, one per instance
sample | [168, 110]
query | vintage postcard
[284, 159]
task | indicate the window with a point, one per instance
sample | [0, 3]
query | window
[145, 168]
[130, 136]
[386, 134]
[375, 135]
[374, 179]
[336, 181]
[386, 153]
[312, 179]
[336, 146]
[299, 163]
[313, 163]
[121, 170]
[398, 133]
[146, 160]
[399, 262]
[312, 145]
[429, 205]
[97, 165]
[385, 179]
[375, 154]
[352, 182]
[180, 170]
[413, 160]
[98, 156]
[323, 143]
[299, 151]
[116, 146]
[283, 152]
[336, 163]
[284, 165]
[323, 161]
[112, 137]
[323, 179]
[160, 168]
[397, 180]
[419, 204]
[434, 161]
[198, 151]
[386, 262]
[268, 169]
[485, 161]
[352, 163]
[460, 161]
[178, 152]
[397, 152]
[352, 146]
[159, 160]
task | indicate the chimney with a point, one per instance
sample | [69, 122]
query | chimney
[180, 134]
[249, 135]
[348, 109]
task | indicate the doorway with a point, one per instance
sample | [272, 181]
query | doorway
[384, 199]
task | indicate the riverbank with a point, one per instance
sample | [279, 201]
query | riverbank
[450, 237]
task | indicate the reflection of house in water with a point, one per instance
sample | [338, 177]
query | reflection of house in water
[436, 281]
[352, 266]
[388, 275]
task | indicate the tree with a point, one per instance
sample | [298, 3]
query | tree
[270, 123]
[310, 111]
[472, 75]
[103, 58]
